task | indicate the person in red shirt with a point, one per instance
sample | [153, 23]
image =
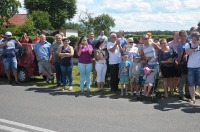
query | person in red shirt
[36, 39]
[25, 38]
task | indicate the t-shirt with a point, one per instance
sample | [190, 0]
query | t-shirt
[130, 51]
[149, 51]
[124, 68]
[43, 50]
[9, 49]
[194, 57]
[85, 57]
[55, 46]
[123, 42]
[136, 70]
[173, 45]
[114, 57]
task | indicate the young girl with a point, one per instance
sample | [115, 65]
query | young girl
[124, 66]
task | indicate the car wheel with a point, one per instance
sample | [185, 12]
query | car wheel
[22, 75]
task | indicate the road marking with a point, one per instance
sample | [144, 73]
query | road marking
[10, 129]
[25, 126]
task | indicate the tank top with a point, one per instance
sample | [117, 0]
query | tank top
[149, 51]
[66, 61]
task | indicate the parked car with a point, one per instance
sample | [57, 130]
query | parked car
[27, 63]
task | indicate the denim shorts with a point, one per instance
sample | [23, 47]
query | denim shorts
[193, 76]
[10, 63]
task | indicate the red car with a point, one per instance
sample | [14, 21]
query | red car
[27, 64]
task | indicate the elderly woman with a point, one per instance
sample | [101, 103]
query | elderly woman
[166, 57]
[84, 51]
[130, 49]
[101, 65]
[66, 53]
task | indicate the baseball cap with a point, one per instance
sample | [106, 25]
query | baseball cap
[195, 34]
[8, 33]
[193, 29]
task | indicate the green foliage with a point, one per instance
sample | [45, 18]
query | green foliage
[73, 42]
[41, 20]
[8, 9]
[27, 27]
[59, 10]
[3, 30]
[103, 22]
[50, 39]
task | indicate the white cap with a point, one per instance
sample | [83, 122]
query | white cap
[8, 33]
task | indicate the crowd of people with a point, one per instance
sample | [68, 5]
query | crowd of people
[127, 63]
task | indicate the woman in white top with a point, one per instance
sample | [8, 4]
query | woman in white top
[101, 66]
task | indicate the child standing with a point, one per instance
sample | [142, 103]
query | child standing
[124, 66]
[134, 73]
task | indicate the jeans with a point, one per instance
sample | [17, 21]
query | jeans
[58, 72]
[66, 72]
[114, 80]
[84, 70]
[193, 76]
[10, 62]
[182, 81]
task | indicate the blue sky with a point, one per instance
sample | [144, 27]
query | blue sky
[143, 15]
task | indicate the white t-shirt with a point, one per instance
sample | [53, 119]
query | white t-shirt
[131, 51]
[114, 57]
[194, 57]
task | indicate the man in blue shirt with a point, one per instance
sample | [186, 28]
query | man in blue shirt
[43, 51]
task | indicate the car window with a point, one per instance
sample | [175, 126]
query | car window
[20, 50]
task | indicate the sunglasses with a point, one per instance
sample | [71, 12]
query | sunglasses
[8, 35]
[145, 38]
[130, 42]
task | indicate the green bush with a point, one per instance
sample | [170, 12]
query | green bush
[50, 39]
[74, 40]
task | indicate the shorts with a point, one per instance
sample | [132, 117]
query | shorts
[168, 72]
[193, 76]
[10, 63]
[124, 80]
[44, 67]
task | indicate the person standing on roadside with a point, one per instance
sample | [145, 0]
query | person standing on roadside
[84, 51]
[114, 49]
[193, 51]
[9, 56]
[66, 52]
[54, 53]
[43, 51]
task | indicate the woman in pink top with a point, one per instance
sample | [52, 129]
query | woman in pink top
[84, 51]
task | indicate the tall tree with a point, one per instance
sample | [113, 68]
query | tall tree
[8, 9]
[96, 24]
[59, 10]
[103, 22]
[41, 20]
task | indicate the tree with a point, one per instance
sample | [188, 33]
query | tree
[28, 27]
[8, 9]
[59, 10]
[103, 22]
[96, 24]
[41, 20]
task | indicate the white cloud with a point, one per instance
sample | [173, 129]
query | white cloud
[142, 15]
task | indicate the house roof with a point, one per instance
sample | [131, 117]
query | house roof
[17, 19]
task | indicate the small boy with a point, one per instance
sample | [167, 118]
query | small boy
[134, 74]
[124, 66]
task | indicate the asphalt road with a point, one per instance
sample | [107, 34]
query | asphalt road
[33, 109]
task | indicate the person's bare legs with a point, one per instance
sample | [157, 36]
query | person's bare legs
[165, 85]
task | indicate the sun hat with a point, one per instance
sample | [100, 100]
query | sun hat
[8, 33]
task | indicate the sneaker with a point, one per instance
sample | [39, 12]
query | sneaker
[183, 98]
[131, 93]
[18, 83]
[70, 88]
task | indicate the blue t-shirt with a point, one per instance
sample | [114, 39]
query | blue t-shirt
[92, 43]
[43, 50]
[180, 47]
[124, 68]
